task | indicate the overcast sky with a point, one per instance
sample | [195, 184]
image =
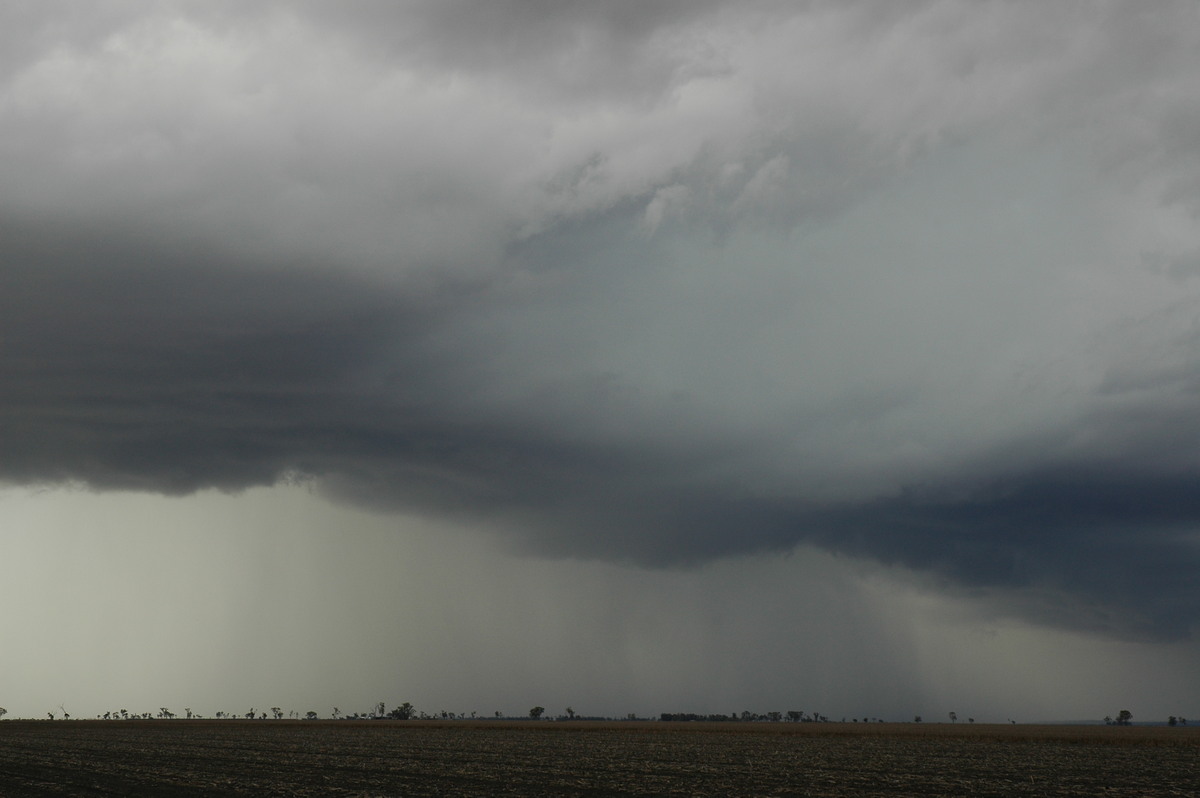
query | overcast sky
[628, 356]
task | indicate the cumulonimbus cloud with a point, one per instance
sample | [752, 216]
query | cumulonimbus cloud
[905, 285]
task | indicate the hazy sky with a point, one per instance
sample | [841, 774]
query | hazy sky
[627, 356]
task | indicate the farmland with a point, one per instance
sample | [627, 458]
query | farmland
[383, 758]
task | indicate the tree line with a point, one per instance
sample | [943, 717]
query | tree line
[406, 711]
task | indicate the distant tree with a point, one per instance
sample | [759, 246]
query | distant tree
[336, 713]
[403, 712]
[3, 712]
[311, 715]
[250, 714]
[125, 714]
[794, 715]
[1124, 718]
[379, 713]
[917, 719]
[536, 712]
[1108, 721]
[1172, 720]
[499, 714]
[570, 713]
[954, 717]
[774, 717]
[188, 712]
[277, 713]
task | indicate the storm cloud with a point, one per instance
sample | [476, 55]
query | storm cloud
[659, 283]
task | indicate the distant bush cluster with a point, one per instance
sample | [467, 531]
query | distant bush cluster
[792, 716]
[406, 711]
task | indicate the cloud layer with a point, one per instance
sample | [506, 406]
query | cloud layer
[657, 283]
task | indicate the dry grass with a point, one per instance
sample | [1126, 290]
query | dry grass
[1008, 732]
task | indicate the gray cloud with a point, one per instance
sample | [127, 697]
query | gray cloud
[568, 52]
[655, 283]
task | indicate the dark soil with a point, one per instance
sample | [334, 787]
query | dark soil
[398, 758]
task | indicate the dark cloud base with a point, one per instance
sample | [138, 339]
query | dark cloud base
[130, 368]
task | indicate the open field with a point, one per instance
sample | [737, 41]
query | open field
[417, 758]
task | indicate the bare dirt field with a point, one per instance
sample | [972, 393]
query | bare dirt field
[417, 758]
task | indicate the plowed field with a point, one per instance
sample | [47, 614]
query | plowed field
[409, 758]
